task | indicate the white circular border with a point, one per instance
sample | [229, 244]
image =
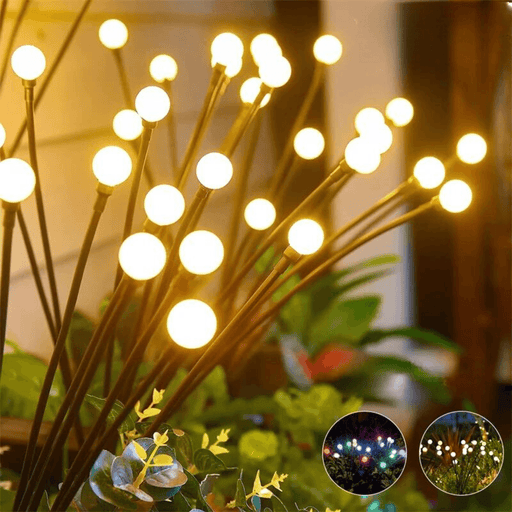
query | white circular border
[399, 476]
[502, 458]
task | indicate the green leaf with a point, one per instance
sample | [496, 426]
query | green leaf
[122, 478]
[468, 405]
[207, 483]
[278, 505]
[206, 461]
[162, 460]
[192, 490]
[98, 403]
[240, 500]
[6, 499]
[265, 260]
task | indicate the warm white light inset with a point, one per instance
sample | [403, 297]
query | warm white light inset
[309, 143]
[28, 62]
[164, 205]
[327, 49]
[260, 214]
[214, 171]
[152, 104]
[17, 180]
[275, 72]
[113, 34]
[250, 90]
[429, 172]
[367, 119]
[379, 136]
[399, 111]
[263, 47]
[142, 256]
[112, 165]
[362, 156]
[306, 236]
[163, 67]
[455, 196]
[2, 136]
[471, 148]
[201, 252]
[227, 47]
[191, 323]
[127, 124]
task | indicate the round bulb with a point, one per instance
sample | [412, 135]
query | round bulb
[191, 323]
[201, 252]
[17, 180]
[112, 165]
[113, 34]
[2, 136]
[227, 47]
[163, 67]
[429, 172]
[399, 111]
[164, 205]
[362, 156]
[263, 47]
[358, 448]
[152, 104]
[327, 49]
[379, 136]
[142, 256]
[455, 196]
[275, 72]
[260, 214]
[250, 90]
[306, 236]
[309, 143]
[368, 119]
[214, 171]
[127, 124]
[233, 67]
[382, 465]
[28, 62]
[368, 449]
[471, 148]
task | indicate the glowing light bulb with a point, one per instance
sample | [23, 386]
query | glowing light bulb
[447, 448]
[214, 171]
[17, 180]
[367, 119]
[393, 452]
[429, 172]
[382, 465]
[2, 136]
[142, 256]
[112, 165]
[327, 451]
[28, 62]
[263, 47]
[471, 148]
[473, 442]
[455, 196]
[381, 445]
[113, 34]
[359, 448]
[348, 444]
[380, 137]
[309, 143]
[163, 67]
[327, 49]
[429, 441]
[496, 459]
[470, 449]
[250, 90]
[336, 455]
[439, 442]
[232, 68]
[152, 104]
[340, 447]
[392, 456]
[399, 111]
[368, 449]
[453, 454]
[201, 252]
[402, 453]
[379, 438]
[354, 441]
[424, 450]
[227, 46]
[491, 453]
[191, 323]
[164, 205]
[364, 458]
[260, 214]
[361, 156]
[306, 236]
[463, 442]
[275, 72]
[439, 453]
[484, 443]
[127, 124]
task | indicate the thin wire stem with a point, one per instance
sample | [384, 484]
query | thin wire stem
[123, 77]
[3, 9]
[171, 131]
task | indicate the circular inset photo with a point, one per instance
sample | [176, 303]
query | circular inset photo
[364, 453]
[461, 453]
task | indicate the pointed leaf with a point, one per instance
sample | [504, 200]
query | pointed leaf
[98, 403]
[216, 450]
[192, 490]
[158, 396]
[206, 485]
[140, 451]
[150, 412]
[256, 488]
[162, 460]
[240, 499]
[206, 441]
[206, 461]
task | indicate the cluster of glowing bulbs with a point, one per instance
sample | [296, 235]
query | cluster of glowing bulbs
[17, 180]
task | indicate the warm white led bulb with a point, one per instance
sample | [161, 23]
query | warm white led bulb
[201, 252]
[214, 171]
[191, 323]
[112, 165]
[275, 72]
[306, 236]
[163, 67]
[28, 62]
[471, 148]
[368, 449]
[164, 205]
[263, 47]
[250, 90]
[429, 172]
[362, 156]
[379, 136]
[17, 180]
[260, 214]
[359, 448]
[127, 124]
[227, 47]
[232, 68]
[429, 441]
[152, 104]
[142, 256]
[455, 196]
[2, 136]
[399, 111]
[113, 34]
[367, 119]
[309, 143]
[327, 49]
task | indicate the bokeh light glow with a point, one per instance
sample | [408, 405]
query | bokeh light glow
[142, 256]
[127, 124]
[400, 111]
[163, 67]
[28, 62]
[260, 214]
[361, 156]
[152, 104]
[112, 165]
[429, 172]
[367, 119]
[275, 72]
[113, 34]
[201, 252]
[263, 47]
[164, 205]
[455, 196]
[471, 148]
[309, 143]
[17, 180]
[214, 171]
[250, 90]
[306, 236]
[327, 49]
